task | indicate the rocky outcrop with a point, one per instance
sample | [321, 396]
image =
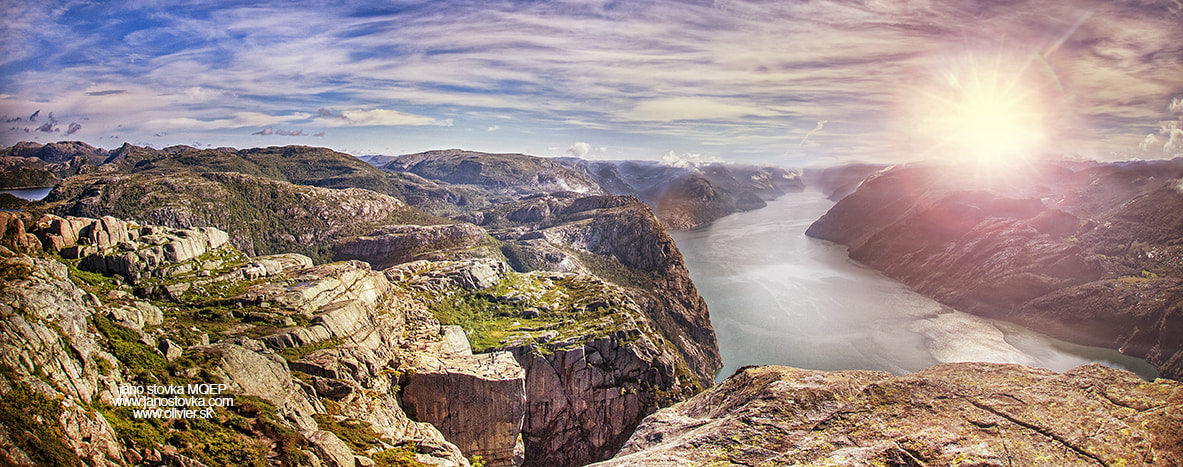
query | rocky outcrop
[952, 414]
[587, 398]
[251, 371]
[402, 243]
[261, 216]
[49, 346]
[1089, 256]
[50, 354]
[594, 362]
[631, 236]
[476, 401]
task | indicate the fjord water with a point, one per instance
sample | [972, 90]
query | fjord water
[30, 194]
[777, 297]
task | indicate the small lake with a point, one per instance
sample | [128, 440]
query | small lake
[777, 297]
[30, 194]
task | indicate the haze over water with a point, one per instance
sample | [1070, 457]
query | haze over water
[778, 297]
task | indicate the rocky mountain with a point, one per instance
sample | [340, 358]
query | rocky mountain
[28, 165]
[493, 178]
[579, 359]
[339, 362]
[263, 216]
[692, 196]
[1090, 255]
[952, 414]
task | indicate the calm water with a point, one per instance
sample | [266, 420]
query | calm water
[779, 297]
[30, 194]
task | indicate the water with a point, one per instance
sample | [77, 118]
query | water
[30, 194]
[778, 297]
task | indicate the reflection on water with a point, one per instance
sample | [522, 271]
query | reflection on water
[30, 194]
[779, 297]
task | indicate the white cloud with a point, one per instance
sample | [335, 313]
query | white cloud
[674, 109]
[820, 125]
[686, 160]
[494, 128]
[377, 117]
[1150, 141]
[579, 150]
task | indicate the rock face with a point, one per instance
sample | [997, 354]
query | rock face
[630, 235]
[952, 414]
[1089, 256]
[49, 352]
[402, 243]
[489, 390]
[594, 362]
[50, 349]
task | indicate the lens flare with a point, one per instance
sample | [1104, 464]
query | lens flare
[991, 113]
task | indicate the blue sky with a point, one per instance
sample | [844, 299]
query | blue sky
[788, 82]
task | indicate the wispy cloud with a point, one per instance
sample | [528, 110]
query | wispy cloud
[729, 77]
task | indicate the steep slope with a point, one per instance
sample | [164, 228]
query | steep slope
[1050, 248]
[317, 361]
[618, 239]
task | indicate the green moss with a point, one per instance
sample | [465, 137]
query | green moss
[401, 456]
[357, 433]
[10, 271]
[31, 419]
[613, 271]
[125, 344]
[92, 282]
[296, 353]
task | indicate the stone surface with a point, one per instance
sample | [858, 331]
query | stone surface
[401, 243]
[268, 377]
[333, 452]
[477, 401]
[952, 414]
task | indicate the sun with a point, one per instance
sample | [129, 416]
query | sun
[991, 113]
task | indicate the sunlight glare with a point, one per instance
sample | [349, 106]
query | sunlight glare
[989, 113]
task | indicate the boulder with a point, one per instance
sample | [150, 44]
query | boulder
[332, 451]
[266, 376]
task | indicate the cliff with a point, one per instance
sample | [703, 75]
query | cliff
[199, 313]
[1090, 256]
[951, 414]
[336, 362]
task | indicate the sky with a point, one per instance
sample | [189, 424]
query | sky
[783, 82]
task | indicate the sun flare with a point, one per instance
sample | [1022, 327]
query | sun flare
[991, 113]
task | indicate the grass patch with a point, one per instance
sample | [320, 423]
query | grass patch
[125, 344]
[358, 434]
[296, 353]
[401, 456]
[32, 422]
[613, 271]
